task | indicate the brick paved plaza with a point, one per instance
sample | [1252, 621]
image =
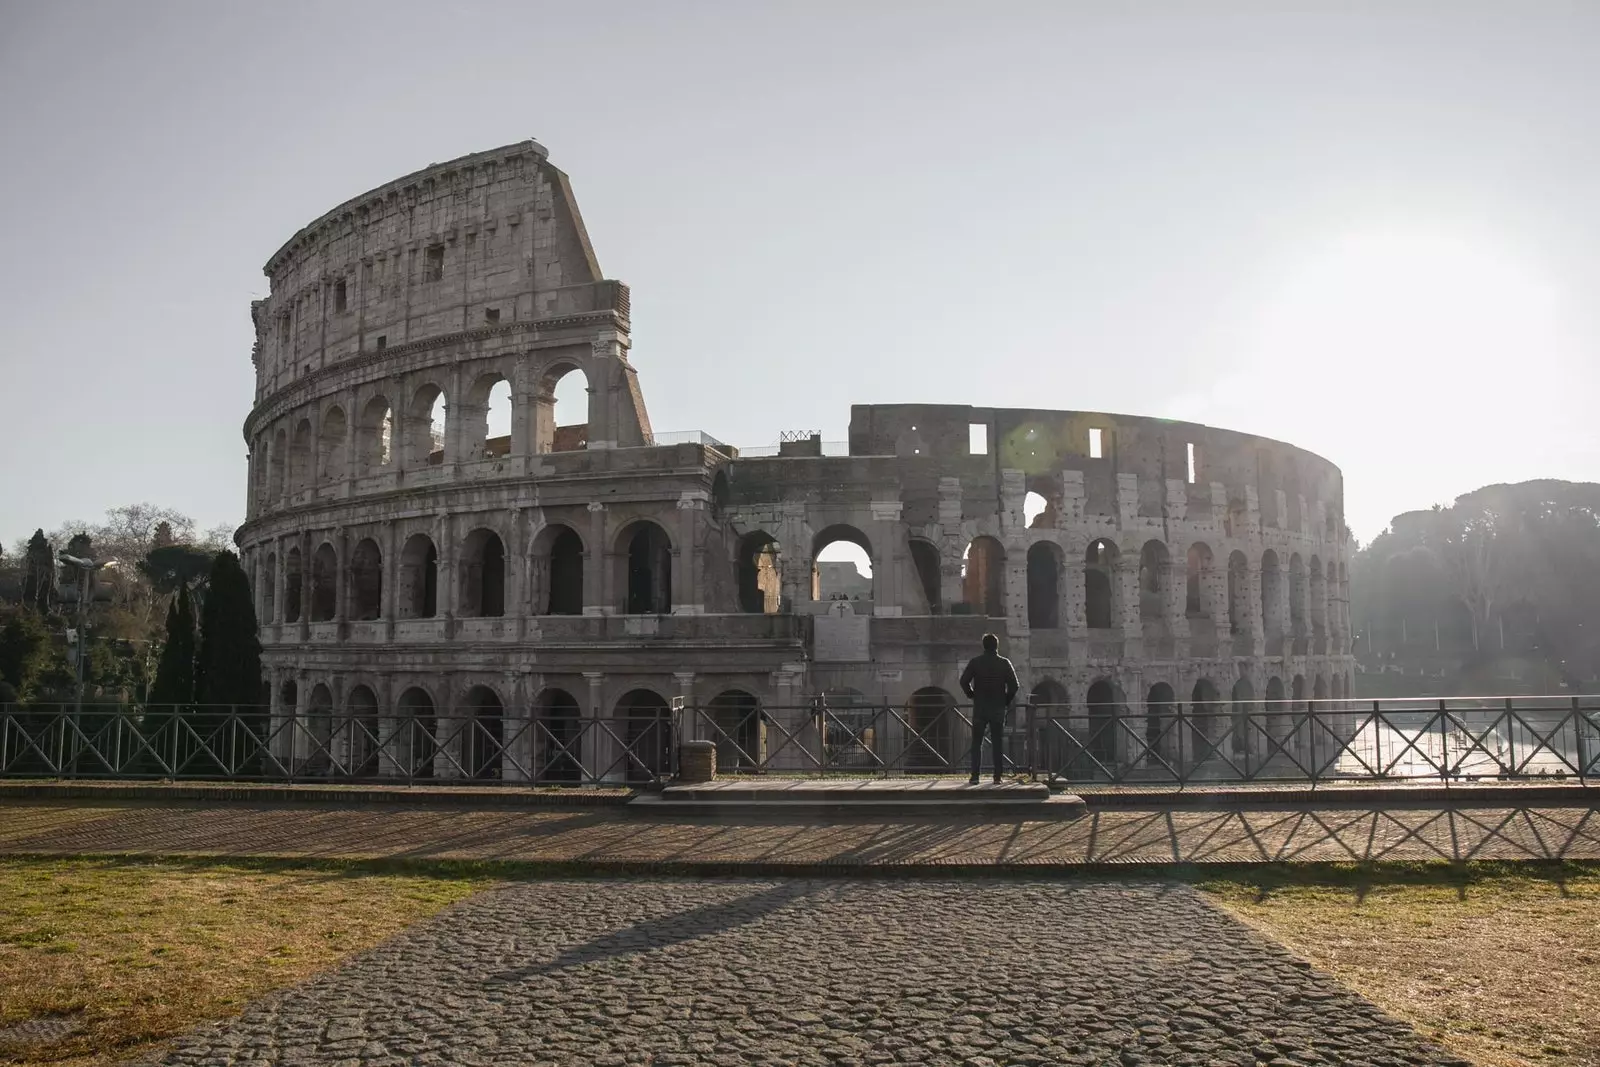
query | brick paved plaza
[826, 972]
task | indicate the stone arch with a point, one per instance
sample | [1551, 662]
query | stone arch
[1045, 564]
[555, 429]
[1271, 600]
[1155, 574]
[366, 581]
[826, 586]
[931, 734]
[760, 590]
[644, 562]
[483, 575]
[324, 583]
[426, 426]
[1104, 704]
[490, 390]
[293, 577]
[300, 456]
[1099, 584]
[1161, 738]
[1238, 593]
[557, 755]
[1297, 602]
[645, 718]
[557, 572]
[419, 578]
[1197, 591]
[741, 732]
[1053, 715]
[418, 731]
[483, 747]
[983, 577]
[1244, 696]
[363, 741]
[1209, 720]
[374, 435]
[332, 447]
[925, 558]
[278, 464]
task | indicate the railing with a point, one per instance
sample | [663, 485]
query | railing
[1217, 742]
[544, 747]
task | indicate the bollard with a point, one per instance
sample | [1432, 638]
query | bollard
[697, 761]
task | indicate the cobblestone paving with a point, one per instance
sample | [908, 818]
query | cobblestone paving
[607, 836]
[825, 972]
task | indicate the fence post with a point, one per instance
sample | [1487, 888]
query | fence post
[1578, 724]
[1511, 737]
[1444, 742]
[1378, 726]
[1031, 718]
[172, 764]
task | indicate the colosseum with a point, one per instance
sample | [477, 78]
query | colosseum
[413, 562]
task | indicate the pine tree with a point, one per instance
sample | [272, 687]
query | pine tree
[38, 588]
[227, 674]
[172, 693]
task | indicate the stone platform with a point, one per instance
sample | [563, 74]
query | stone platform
[866, 797]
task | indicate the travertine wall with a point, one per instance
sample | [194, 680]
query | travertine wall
[595, 569]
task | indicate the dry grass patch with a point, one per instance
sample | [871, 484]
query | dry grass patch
[1499, 962]
[136, 952]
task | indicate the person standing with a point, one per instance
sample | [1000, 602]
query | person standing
[990, 682]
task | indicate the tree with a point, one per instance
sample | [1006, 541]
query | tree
[228, 668]
[173, 689]
[39, 586]
[24, 652]
[176, 566]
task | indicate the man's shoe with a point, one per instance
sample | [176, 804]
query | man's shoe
[997, 781]
[973, 780]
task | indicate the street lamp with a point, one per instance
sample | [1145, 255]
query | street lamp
[80, 639]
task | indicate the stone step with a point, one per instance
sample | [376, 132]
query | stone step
[951, 799]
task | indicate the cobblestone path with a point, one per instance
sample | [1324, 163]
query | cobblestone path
[826, 972]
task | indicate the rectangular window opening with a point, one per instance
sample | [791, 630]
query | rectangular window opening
[383, 342]
[1194, 463]
[1097, 446]
[491, 315]
[977, 439]
[340, 297]
[434, 270]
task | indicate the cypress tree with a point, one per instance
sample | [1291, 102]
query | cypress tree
[173, 690]
[227, 672]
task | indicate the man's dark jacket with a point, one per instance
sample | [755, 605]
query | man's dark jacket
[990, 682]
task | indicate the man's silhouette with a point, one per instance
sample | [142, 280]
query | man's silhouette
[991, 684]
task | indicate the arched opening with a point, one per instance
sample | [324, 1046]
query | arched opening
[1209, 720]
[288, 697]
[759, 587]
[1298, 692]
[1099, 562]
[366, 580]
[842, 565]
[1161, 725]
[318, 737]
[332, 447]
[483, 575]
[293, 578]
[1277, 710]
[930, 736]
[269, 591]
[1105, 715]
[1319, 696]
[485, 734]
[561, 410]
[1154, 574]
[851, 732]
[418, 732]
[278, 460]
[558, 571]
[490, 428]
[300, 457]
[741, 736]
[983, 577]
[1244, 696]
[374, 435]
[1037, 514]
[1044, 586]
[1318, 608]
[324, 583]
[1197, 596]
[419, 578]
[425, 427]
[1271, 599]
[362, 742]
[1238, 594]
[648, 574]
[647, 729]
[556, 743]
[1053, 713]
[926, 560]
[1297, 601]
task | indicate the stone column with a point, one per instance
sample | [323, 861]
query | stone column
[688, 594]
[516, 762]
[1177, 605]
[299, 744]
[352, 465]
[391, 576]
[454, 411]
[601, 751]
[305, 586]
[596, 594]
[452, 731]
[444, 539]
[280, 548]
[886, 557]
[391, 739]
[399, 423]
[341, 578]
[516, 572]
[521, 408]
[278, 716]
[689, 723]
[1125, 606]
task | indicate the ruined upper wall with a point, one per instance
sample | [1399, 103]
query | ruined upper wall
[483, 241]
[1042, 444]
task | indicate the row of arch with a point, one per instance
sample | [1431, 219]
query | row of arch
[337, 444]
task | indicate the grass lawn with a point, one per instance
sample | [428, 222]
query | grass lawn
[135, 952]
[1500, 962]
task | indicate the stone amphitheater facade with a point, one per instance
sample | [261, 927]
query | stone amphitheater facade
[1130, 565]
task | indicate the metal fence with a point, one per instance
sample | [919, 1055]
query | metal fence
[1221, 742]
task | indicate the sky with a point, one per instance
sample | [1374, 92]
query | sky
[1369, 229]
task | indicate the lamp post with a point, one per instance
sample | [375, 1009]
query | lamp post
[86, 569]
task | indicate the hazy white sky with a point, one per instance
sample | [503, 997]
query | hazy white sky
[1368, 229]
